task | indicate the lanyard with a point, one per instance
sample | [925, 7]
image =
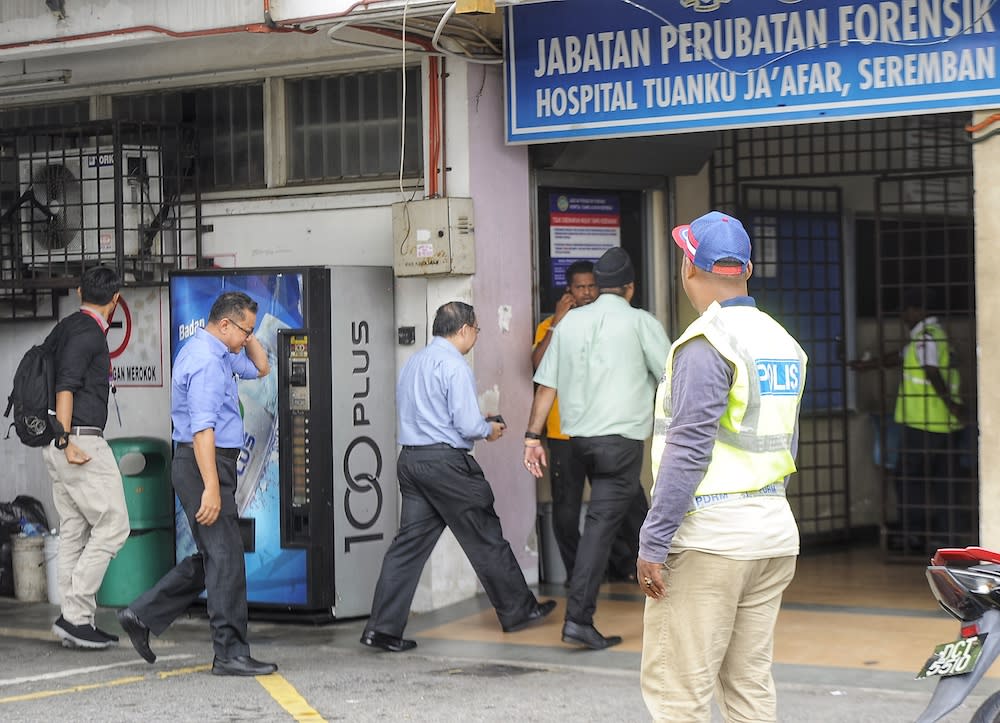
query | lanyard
[111, 370]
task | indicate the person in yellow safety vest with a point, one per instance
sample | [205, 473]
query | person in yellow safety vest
[719, 544]
[930, 412]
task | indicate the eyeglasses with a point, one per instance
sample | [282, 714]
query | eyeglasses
[473, 326]
[246, 332]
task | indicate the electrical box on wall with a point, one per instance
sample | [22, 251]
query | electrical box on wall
[434, 236]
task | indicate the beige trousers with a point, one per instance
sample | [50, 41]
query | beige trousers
[93, 522]
[713, 631]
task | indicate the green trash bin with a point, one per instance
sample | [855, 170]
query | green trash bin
[149, 551]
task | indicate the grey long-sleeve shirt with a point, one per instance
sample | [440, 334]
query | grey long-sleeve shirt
[699, 393]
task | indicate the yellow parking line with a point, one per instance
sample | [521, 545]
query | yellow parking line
[184, 671]
[93, 686]
[25, 633]
[288, 698]
[75, 689]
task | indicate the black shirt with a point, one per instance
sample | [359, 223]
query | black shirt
[83, 366]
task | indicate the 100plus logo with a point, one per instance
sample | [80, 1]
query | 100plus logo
[363, 500]
[362, 469]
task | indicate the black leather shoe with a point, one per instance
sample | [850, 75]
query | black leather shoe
[536, 615]
[241, 665]
[138, 633]
[587, 636]
[387, 642]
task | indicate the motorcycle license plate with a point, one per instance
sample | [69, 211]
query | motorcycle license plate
[954, 658]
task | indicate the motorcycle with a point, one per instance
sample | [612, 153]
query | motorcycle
[966, 584]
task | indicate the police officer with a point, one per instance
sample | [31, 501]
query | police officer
[719, 543]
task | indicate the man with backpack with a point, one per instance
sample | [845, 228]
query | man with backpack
[86, 483]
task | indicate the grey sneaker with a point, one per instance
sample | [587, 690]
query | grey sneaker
[79, 636]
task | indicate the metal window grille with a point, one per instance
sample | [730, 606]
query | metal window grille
[868, 147]
[921, 233]
[351, 126]
[230, 125]
[121, 194]
[924, 251]
[26, 301]
[797, 274]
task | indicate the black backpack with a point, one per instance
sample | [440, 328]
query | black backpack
[33, 397]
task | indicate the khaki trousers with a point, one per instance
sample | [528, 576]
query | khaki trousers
[93, 522]
[713, 631]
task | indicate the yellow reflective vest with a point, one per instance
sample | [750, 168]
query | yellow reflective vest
[918, 404]
[753, 448]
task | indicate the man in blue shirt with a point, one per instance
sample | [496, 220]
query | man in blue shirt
[442, 485]
[208, 431]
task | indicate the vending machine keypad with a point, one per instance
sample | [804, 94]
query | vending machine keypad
[298, 405]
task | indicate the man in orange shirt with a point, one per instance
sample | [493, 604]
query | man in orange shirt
[566, 473]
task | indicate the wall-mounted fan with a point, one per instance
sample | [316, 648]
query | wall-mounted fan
[57, 206]
[67, 208]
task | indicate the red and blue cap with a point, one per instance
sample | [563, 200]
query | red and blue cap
[712, 238]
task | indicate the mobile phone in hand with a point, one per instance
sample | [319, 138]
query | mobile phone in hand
[496, 418]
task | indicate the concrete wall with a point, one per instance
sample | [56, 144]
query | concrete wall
[986, 159]
[502, 290]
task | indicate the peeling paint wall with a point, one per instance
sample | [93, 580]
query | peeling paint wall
[502, 288]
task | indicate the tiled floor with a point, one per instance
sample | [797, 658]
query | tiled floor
[845, 609]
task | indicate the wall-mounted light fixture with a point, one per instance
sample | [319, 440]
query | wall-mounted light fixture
[14, 84]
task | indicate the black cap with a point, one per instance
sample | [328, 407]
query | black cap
[614, 269]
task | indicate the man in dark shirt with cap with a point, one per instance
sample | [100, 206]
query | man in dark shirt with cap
[605, 360]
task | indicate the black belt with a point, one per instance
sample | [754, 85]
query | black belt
[228, 452]
[86, 431]
[439, 445]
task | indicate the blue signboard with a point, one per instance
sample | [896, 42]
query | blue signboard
[579, 69]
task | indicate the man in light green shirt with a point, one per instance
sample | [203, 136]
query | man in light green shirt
[604, 360]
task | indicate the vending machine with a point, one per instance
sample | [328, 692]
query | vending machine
[316, 490]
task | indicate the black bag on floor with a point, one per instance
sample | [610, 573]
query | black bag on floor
[26, 507]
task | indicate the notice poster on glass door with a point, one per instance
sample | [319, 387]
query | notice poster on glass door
[582, 226]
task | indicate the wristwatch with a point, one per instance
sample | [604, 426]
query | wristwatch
[62, 442]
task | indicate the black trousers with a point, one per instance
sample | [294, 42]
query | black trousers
[446, 487]
[568, 476]
[930, 484]
[613, 464]
[217, 567]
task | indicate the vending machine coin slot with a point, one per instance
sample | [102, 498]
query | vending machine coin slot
[295, 440]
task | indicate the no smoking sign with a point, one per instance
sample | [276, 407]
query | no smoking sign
[135, 338]
[119, 329]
